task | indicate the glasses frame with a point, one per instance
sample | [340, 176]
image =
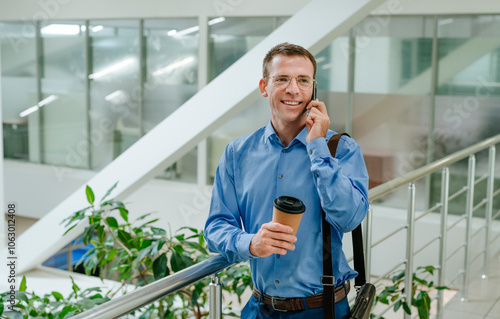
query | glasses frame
[296, 81]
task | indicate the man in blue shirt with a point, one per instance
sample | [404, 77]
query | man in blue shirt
[288, 157]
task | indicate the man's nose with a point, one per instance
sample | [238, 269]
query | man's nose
[292, 87]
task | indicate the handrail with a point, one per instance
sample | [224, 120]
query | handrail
[389, 186]
[145, 295]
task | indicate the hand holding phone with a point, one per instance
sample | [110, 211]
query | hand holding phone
[317, 121]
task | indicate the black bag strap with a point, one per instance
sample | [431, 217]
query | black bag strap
[328, 280]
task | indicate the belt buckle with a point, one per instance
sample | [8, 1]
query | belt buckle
[328, 281]
[279, 299]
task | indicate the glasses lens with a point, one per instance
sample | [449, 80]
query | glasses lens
[304, 82]
[281, 80]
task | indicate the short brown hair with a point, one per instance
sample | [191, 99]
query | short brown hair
[286, 49]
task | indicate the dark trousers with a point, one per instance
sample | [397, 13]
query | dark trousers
[256, 309]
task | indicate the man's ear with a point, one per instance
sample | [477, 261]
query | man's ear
[262, 87]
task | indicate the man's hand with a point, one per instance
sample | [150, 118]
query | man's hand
[317, 121]
[272, 238]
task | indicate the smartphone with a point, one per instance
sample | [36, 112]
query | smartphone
[315, 91]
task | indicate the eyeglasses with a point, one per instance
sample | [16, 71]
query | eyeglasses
[283, 81]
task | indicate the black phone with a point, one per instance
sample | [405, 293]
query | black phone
[315, 91]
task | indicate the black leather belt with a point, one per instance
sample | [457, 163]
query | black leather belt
[296, 304]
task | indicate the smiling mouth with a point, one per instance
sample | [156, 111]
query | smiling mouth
[292, 103]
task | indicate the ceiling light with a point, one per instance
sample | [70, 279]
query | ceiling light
[61, 29]
[169, 68]
[35, 108]
[187, 31]
[216, 20]
[97, 28]
[113, 68]
[445, 21]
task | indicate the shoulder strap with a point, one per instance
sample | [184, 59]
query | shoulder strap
[357, 240]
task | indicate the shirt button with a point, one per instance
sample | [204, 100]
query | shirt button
[317, 175]
[276, 281]
[280, 175]
[278, 256]
[310, 152]
[283, 151]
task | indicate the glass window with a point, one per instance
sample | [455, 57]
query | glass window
[171, 79]
[64, 112]
[468, 93]
[115, 88]
[19, 89]
[391, 94]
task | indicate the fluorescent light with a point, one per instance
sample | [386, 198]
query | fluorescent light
[112, 68]
[61, 29]
[445, 21]
[117, 97]
[320, 59]
[187, 31]
[195, 28]
[169, 68]
[216, 20]
[47, 100]
[29, 111]
[97, 28]
[113, 95]
[35, 108]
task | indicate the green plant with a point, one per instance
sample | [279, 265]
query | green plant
[138, 253]
[52, 305]
[420, 298]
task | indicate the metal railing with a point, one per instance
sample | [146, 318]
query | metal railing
[141, 297]
[442, 208]
[147, 294]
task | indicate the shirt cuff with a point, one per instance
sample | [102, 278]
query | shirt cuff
[318, 149]
[243, 246]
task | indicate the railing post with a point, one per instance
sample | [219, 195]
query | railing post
[409, 246]
[445, 189]
[468, 229]
[368, 243]
[215, 298]
[489, 209]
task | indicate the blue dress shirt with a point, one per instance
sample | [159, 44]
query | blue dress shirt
[253, 171]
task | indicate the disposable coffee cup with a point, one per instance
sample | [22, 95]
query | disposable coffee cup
[288, 211]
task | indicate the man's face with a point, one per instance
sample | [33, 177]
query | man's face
[288, 105]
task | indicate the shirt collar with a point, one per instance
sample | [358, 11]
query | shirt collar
[271, 133]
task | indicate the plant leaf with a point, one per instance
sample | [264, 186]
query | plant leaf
[21, 295]
[398, 276]
[90, 195]
[112, 222]
[57, 295]
[22, 286]
[406, 307]
[160, 267]
[397, 305]
[109, 192]
[74, 286]
[123, 213]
